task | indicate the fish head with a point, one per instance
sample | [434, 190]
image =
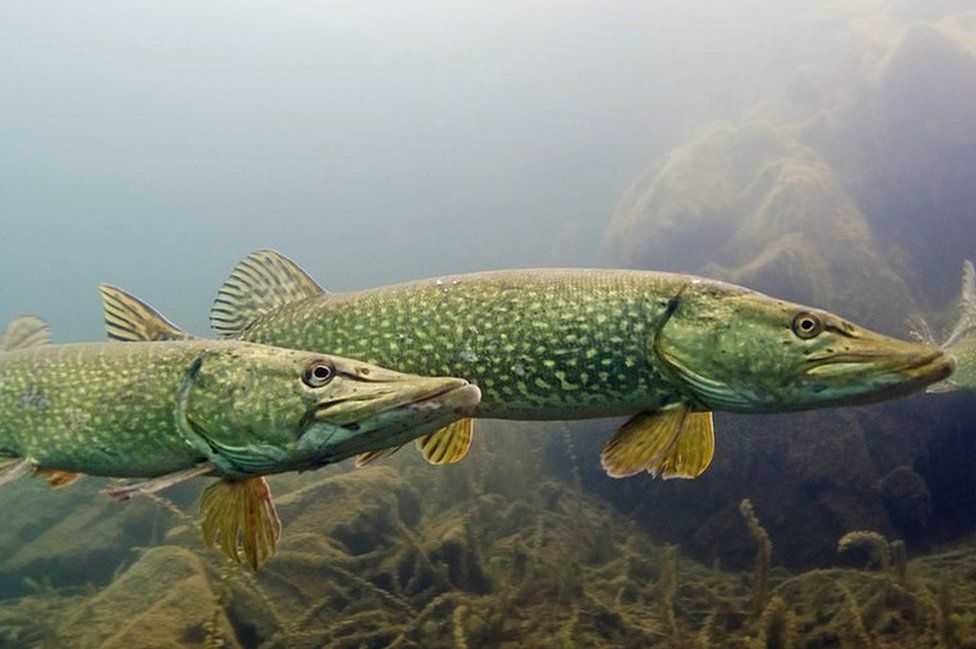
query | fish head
[734, 349]
[269, 409]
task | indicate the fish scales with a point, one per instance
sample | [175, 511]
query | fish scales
[107, 409]
[539, 344]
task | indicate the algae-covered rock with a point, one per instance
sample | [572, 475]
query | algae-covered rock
[75, 532]
[750, 204]
[419, 565]
[907, 498]
[163, 600]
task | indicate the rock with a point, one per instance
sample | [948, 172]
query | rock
[163, 600]
[907, 498]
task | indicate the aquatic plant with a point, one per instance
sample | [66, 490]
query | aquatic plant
[213, 638]
[763, 555]
[398, 570]
[667, 586]
[777, 626]
[876, 545]
[899, 559]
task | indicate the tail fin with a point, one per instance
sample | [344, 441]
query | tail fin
[965, 324]
[25, 331]
[966, 308]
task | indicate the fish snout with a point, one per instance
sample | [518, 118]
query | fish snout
[917, 364]
[456, 395]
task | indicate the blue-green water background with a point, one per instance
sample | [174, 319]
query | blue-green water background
[822, 153]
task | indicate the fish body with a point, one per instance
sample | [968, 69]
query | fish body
[555, 344]
[101, 409]
[145, 409]
[580, 343]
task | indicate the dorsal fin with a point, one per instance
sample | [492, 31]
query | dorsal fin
[25, 331]
[261, 282]
[129, 319]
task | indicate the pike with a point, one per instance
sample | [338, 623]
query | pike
[179, 408]
[666, 349]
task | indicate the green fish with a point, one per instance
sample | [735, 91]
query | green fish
[667, 349]
[960, 341]
[180, 408]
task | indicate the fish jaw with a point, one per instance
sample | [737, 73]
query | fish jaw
[417, 406]
[888, 368]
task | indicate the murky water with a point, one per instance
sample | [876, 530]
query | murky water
[822, 154]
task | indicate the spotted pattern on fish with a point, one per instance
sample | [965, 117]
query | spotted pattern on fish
[539, 344]
[102, 408]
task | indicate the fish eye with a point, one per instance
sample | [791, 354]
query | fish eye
[317, 374]
[807, 325]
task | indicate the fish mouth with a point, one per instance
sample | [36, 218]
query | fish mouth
[460, 399]
[454, 395]
[932, 363]
[390, 418]
[935, 367]
[883, 376]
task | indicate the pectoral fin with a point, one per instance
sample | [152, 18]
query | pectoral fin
[240, 517]
[449, 444]
[693, 450]
[676, 443]
[159, 483]
[56, 478]
[372, 457]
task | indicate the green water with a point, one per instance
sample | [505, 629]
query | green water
[822, 154]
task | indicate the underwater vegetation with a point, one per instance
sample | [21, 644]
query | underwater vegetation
[482, 554]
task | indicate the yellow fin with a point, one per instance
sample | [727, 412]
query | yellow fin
[23, 332]
[129, 319]
[56, 478]
[372, 457]
[674, 443]
[447, 445]
[692, 452]
[260, 283]
[240, 517]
